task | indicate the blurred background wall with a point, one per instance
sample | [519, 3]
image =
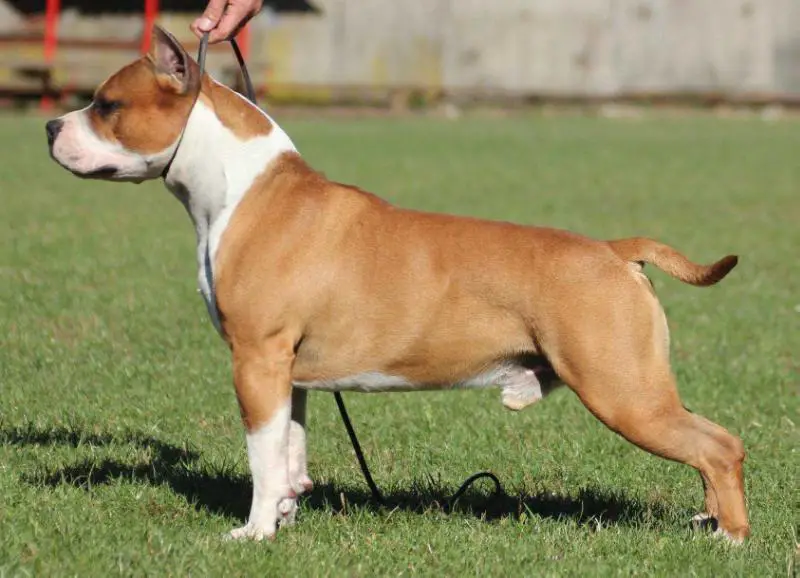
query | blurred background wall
[333, 50]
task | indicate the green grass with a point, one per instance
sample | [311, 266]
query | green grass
[121, 450]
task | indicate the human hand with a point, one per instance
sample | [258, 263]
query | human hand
[224, 18]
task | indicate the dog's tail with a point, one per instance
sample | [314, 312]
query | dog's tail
[672, 262]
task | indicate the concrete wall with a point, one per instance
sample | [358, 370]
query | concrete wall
[572, 48]
[785, 22]
[540, 47]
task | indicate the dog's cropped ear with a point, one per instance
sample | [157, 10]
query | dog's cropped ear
[175, 69]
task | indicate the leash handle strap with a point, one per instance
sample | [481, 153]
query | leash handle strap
[250, 91]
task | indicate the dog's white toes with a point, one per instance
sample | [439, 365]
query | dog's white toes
[287, 509]
[250, 532]
[703, 521]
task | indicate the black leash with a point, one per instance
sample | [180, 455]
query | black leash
[376, 493]
[250, 93]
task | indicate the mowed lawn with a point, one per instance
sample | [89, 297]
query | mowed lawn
[121, 448]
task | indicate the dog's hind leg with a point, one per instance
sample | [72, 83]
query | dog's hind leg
[622, 375]
[663, 427]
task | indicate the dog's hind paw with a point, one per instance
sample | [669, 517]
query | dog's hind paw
[705, 522]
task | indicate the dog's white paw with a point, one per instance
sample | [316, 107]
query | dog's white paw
[253, 532]
[287, 512]
[705, 522]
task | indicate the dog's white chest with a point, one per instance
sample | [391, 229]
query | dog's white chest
[212, 188]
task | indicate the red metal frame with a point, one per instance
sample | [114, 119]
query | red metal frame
[150, 15]
[51, 17]
[52, 10]
[151, 10]
[243, 38]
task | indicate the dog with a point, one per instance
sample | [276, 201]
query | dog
[316, 285]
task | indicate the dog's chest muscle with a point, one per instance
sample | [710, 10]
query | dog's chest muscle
[212, 188]
[202, 210]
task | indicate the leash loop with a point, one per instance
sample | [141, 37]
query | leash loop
[202, 51]
[248, 84]
[362, 462]
[376, 493]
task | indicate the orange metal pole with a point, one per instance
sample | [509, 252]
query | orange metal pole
[52, 9]
[150, 16]
[243, 38]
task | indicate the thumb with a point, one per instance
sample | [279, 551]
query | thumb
[211, 16]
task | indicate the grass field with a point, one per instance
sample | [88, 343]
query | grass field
[121, 450]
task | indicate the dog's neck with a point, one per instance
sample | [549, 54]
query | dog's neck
[214, 167]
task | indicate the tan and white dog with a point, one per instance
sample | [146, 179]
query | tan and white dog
[317, 285]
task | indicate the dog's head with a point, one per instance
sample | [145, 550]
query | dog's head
[131, 129]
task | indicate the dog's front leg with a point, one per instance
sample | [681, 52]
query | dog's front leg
[298, 464]
[262, 376]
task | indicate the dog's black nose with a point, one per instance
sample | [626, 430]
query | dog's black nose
[53, 128]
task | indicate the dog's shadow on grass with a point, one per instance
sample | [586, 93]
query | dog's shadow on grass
[228, 492]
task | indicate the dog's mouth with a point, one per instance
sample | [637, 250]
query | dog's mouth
[104, 172]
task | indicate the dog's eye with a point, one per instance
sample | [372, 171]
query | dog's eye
[105, 107]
